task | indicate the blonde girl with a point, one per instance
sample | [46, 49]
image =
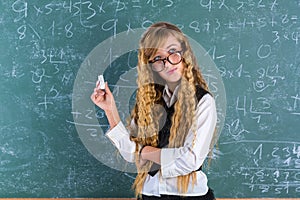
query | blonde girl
[172, 125]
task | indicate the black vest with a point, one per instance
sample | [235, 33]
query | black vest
[164, 133]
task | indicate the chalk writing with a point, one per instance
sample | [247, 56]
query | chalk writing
[254, 44]
[283, 179]
[296, 105]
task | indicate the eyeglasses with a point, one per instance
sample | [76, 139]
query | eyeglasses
[158, 64]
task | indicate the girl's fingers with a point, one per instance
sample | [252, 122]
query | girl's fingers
[107, 90]
[97, 97]
[99, 92]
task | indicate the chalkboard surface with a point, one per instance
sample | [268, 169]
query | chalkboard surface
[255, 45]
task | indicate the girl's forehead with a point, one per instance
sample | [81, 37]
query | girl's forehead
[169, 42]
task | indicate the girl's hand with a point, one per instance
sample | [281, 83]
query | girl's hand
[105, 100]
[142, 161]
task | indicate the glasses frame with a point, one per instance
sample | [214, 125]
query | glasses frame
[151, 62]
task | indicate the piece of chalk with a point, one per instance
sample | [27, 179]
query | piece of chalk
[101, 82]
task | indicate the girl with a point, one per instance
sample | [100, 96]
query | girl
[172, 125]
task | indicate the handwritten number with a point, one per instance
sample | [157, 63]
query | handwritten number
[68, 28]
[22, 30]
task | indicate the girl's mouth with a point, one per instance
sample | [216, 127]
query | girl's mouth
[172, 70]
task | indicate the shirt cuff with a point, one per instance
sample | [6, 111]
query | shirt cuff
[117, 133]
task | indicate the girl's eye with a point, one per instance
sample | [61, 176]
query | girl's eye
[156, 58]
[172, 51]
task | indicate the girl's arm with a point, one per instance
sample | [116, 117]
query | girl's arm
[183, 160]
[118, 134]
[150, 153]
[189, 157]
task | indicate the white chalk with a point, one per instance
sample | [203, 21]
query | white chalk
[101, 82]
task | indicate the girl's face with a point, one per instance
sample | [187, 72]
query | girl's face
[171, 73]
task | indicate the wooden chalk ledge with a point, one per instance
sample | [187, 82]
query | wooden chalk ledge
[135, 199]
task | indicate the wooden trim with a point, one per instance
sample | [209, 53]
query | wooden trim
[135, 199]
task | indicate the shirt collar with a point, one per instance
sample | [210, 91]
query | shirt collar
[170, 98]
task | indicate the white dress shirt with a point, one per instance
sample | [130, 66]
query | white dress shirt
[175, 161]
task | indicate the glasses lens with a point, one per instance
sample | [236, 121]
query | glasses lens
[158, 66]
[174, 58]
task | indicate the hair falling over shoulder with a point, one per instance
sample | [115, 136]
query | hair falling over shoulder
[146, 113]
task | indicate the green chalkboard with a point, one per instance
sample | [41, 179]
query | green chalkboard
[52, 140]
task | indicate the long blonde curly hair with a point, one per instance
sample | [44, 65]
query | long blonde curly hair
[146, 114]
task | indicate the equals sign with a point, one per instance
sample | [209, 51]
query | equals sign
[294, 18]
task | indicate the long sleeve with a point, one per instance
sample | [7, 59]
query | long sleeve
[120, 138]
[188, 158]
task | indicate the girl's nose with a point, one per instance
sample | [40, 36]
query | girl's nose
[168, 65]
